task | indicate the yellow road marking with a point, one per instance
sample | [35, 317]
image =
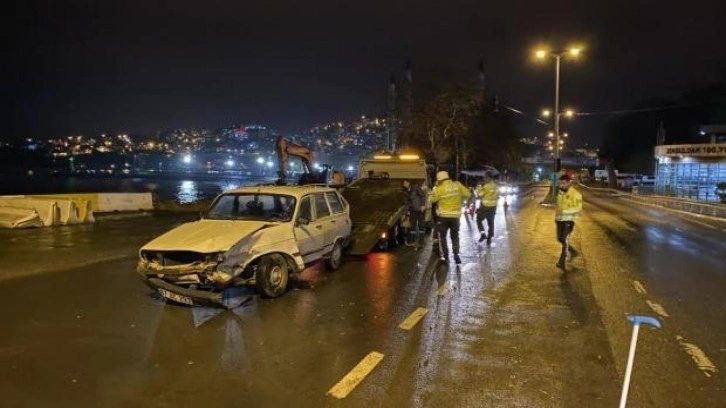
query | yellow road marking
[413, 318]
[356, 375]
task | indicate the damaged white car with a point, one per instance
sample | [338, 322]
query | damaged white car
[252, 235]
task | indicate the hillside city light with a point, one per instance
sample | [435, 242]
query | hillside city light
[260, 160]
[230, 163]
[187, 159]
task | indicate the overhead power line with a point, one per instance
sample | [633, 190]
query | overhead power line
[624, 111]
[519, 112]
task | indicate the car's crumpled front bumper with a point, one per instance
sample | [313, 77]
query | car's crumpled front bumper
[180, 294]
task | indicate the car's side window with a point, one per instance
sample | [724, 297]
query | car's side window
[306, 210]
[334, 202]
[321, 206]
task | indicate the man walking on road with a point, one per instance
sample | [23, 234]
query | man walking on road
[568, 206]
[448, 196]
[489, 195]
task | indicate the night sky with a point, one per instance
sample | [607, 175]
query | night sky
[140, 66]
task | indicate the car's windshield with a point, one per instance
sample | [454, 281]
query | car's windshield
[253, 207]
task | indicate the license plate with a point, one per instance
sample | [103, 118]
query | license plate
[177, 298]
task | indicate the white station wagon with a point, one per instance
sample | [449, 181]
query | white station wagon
[251, 235]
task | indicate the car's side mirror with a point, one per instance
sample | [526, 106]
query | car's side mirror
[303, 221]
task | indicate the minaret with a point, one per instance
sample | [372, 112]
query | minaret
[391, 120]
[482, 85]
[407, 132]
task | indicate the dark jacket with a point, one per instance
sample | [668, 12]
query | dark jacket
[415, 198]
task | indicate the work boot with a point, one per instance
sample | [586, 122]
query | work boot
[489, 241]
[482, 237]
[457, 260]
[561, 262]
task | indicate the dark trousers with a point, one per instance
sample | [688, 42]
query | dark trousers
[416, 218]
[564, 229]
[442, 226]
[486, 213]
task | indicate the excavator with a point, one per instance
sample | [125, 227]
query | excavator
[286, 148]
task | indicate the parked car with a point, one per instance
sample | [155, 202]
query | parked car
[252, 235]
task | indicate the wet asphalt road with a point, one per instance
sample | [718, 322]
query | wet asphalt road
[506, 328]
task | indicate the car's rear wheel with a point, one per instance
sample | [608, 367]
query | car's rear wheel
[272, 276]
[336, 256]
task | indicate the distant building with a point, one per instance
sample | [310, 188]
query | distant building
[693, 170]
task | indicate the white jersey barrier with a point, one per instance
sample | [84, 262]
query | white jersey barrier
[64, 209]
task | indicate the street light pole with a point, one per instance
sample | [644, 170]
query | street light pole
[558, 57]
[542, 54]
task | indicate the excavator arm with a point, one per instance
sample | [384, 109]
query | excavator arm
[286, 148]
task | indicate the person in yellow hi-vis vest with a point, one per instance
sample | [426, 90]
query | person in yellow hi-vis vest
[448, 196]
[568, 206]
[489, 195]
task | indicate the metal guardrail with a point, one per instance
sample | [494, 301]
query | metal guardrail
[681, 204]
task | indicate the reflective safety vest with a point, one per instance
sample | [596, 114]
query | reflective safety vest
[489, 193]
[449, 197]
[569, 204]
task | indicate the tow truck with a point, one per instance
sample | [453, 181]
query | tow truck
[377, 200]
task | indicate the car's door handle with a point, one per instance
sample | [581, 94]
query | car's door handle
[319, 226]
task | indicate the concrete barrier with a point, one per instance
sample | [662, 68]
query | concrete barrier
[64, 209]
[111, 202]
[19, 218]
[106, 202]
[47, 210]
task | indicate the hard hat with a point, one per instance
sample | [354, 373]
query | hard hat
[442, 175]
[565, 177]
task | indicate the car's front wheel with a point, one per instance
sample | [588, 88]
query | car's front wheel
[336, 256]
[272, 275]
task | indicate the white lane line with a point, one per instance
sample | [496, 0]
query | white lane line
[639, 288]
[413, 318]
[356, 375]
[660, 310]
[699, 357]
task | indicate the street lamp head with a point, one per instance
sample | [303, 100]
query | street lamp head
[541, 54]
[569, 113]
[546, 113]
[575, 51]
[551, 134]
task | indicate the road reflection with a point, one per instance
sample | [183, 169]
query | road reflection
[379, 288]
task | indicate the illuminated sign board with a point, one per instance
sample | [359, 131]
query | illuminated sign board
[692, 150]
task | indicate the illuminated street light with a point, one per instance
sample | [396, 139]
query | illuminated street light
[569, 113]
[260, 160]
[557, 55]
[187, 159]
[230, 163]
[551, 134]
[546, 113]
